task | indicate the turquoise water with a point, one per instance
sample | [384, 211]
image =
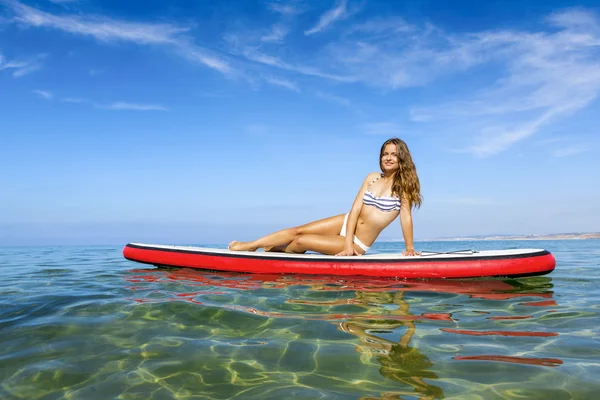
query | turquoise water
[84, 323]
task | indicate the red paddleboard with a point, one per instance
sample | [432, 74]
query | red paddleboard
[457, 264]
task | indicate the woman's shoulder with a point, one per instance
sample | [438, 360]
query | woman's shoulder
[372, 176]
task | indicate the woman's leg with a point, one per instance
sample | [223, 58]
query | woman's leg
[277, 249]
[324, 244]
[326, 226]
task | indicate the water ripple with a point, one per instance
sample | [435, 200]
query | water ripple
[83, 323]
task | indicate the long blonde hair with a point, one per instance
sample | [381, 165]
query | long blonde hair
[405, 179]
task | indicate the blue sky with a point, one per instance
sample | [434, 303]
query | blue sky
[204, 122]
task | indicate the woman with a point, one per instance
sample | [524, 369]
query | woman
[381, 198]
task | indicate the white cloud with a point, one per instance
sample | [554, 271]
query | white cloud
[106, 29]
[335, 99]
[43, 93]
[259, 57]
[101, 28]
[400, 60]
[121, 105]
[73, 100]
[285, 9]
[19, 72]
[255, 55]
[64, 3]
[279, 30]
[194, 53]
[498, 138]
[381, 27]
[570, 151]
[552, 140]
[277, 34]
[533, 78]
[22, 67]
[283, 83]
[545, 76]
[338, 12]
[115, 106]
[574, 18]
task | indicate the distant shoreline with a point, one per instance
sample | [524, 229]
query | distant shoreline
[552, 236]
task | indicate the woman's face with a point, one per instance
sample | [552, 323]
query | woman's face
[389, 158]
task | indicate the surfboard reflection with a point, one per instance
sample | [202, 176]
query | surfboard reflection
[386, 304]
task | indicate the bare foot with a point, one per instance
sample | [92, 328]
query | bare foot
[240, 246]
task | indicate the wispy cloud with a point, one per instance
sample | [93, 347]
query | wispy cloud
[546, 76]
[570, 151]
[380, 27]
[277, 34]
[106, 29]
[196, 54]
[283, 83]
[101, 28]
[74, 100]
[43, 93]
[335, 99]
[250, 45]
[285, 9]
[257, 56]
[65, 3]
[338, 12]
[534, 77]
[287, 12]
[22, 67]
[497, 138]
[574, 18]
[552, 140]
[115, 106]
[121, 105]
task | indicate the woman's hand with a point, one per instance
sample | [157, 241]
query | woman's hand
[411, 252]
[348, 252]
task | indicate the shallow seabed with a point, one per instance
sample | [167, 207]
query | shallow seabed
[84, 323]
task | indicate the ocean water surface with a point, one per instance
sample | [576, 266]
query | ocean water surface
[84, 323]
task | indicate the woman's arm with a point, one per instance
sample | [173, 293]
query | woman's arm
[407, 227]
[353, 216]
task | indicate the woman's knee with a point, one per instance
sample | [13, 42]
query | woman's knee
[297, 245]
[301, 240]
[297, 231]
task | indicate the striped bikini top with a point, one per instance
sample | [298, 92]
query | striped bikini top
[383, 203]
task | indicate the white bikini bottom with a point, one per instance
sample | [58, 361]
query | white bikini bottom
[356, 240]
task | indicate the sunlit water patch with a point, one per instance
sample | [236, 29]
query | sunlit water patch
[83, 323]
